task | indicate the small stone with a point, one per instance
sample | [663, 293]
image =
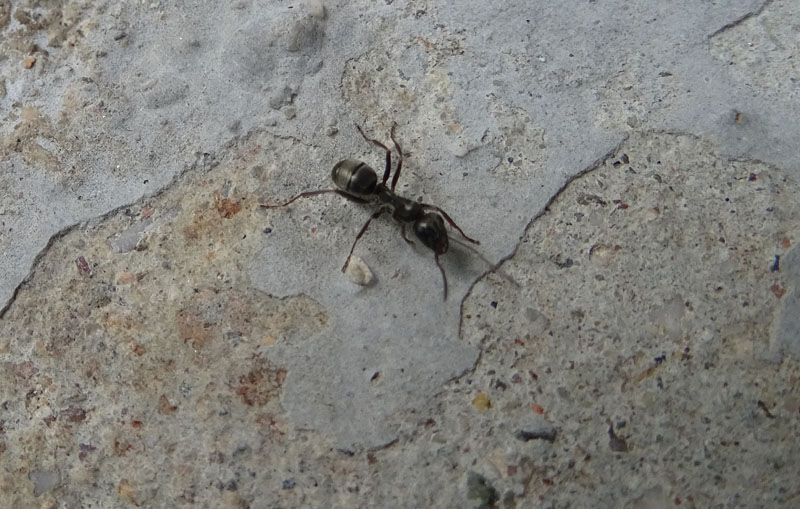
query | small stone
[482, 402]
[358, 272]
[316, 8]
[28, 62]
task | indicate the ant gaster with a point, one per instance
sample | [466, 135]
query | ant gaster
[357, 182]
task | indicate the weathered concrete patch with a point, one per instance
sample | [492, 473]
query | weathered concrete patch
[642, 328]
[121, 356]
[174, 368]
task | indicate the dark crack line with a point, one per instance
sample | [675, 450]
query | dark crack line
[200, 160]
[496, 267]
[204, 161]
[595, 165]
[53, 238]
[742, 19]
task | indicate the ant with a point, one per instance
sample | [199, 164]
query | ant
[357, 182]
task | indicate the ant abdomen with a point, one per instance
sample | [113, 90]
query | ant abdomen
[354, 177]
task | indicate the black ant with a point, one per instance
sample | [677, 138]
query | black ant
[359, 183]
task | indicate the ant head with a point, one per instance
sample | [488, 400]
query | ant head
[431, 231]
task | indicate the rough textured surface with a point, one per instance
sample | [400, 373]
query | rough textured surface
[659, 369]
[626, 334]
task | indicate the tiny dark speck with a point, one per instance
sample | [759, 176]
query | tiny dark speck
[548, 434]
[494, 304]
[727, 199]
[146, 181]
[565, 264]
[288, 484]
[510, 159]
[267, 230]
[745, 304]
[777, 265]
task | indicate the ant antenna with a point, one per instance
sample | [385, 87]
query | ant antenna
[493, 267]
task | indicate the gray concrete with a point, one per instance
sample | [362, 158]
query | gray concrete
[625, 335]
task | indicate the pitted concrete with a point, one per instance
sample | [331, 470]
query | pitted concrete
[629, 171]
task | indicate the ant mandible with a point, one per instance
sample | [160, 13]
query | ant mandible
[357, 182]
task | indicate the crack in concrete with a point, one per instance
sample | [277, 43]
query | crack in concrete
[199, 158]
[742, 19]
[494, 269]
[205, 161]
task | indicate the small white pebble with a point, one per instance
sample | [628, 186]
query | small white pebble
[316, 8]
[358, 272]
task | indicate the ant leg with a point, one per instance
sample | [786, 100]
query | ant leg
[444, 278]
[363, 229]
[314, 193]
[388, 168]
[450, 220]
[400, 162]
[403, 233]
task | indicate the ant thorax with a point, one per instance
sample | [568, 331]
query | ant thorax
[403, 208]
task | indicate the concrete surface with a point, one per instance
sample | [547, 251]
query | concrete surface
[625, 335]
